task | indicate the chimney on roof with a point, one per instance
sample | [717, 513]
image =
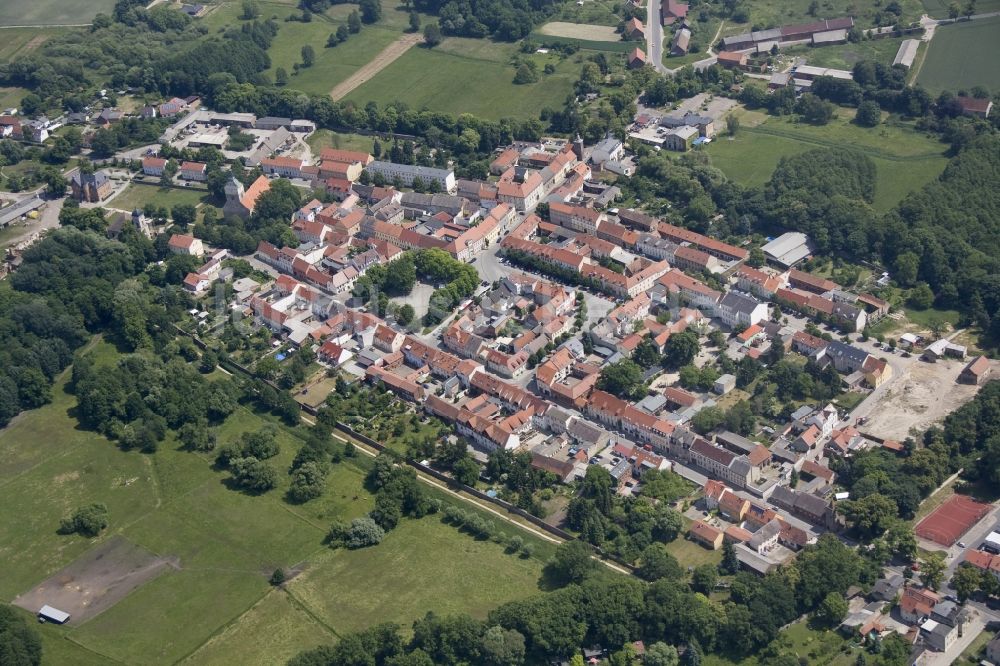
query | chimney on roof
[578, 147]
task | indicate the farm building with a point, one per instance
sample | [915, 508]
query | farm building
[637, 58]
[830, 37]
[976, 371]
[974, 106]
[50, 614]
[906, 53]
[681, 43]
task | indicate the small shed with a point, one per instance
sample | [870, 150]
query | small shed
[50, 614]
[724, 384]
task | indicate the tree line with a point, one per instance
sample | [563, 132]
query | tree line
[594, 607]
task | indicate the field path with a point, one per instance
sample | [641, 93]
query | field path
[384, 58]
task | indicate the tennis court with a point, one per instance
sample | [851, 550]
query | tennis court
[947, 523]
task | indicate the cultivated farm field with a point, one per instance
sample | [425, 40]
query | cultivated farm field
[213, 601]
[963, 55]
[51, 12]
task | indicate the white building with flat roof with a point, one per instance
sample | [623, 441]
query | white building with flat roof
[788, 249]
[406, 173]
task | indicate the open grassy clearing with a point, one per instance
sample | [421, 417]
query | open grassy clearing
[218, 603]
[422, 565]
[905, 159]
[51, 12]
[18, 42]
[333, 65]
[276, 626]
[138, 195]
[774, 13]
[844, 56]
[324, 138]
[11, 97]
[963, 55]
[597, 33]
[487, 89]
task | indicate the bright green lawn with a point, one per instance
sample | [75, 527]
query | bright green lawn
[844, 56]
[51, 12]
[323, 138]
[904, 158]
[420, 566]
[272, 631]
[963, 55]
[137, 196]
[11, 97]
[468, 76]
[926, 317]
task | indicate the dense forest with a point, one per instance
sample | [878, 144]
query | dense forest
[66, 288]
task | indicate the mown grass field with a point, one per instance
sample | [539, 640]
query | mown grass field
[218, 607]
[477, 77]
[844, 56]
[332, 65]
[137, 196]
[323, 138]
[420, 565]
[905, 159]
[51, 12]
[963, 55]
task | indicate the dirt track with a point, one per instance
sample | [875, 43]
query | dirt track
[96, 580]
[384, 58]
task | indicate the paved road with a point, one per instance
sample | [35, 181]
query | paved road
[654, 37]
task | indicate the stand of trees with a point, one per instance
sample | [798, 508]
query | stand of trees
[20, 644]
[633, 529]
[507, 20]
[63, 291]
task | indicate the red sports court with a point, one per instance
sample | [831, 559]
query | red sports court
[947, 523]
